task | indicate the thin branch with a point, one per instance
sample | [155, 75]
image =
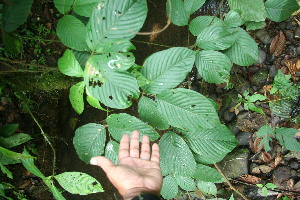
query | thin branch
[47, 68]
[151, 43]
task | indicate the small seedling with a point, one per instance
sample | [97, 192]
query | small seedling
[264, 188]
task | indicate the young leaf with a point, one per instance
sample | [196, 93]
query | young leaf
[120, 124]
[169, 188]
[285, 136]
[207, 187]
[244, 51]
[30, 166]
[86, 7]
[198, 24]
[148, 111]
[72, 33]
[79, 183]
[211, 144]
[207, 174]
[56, 193]
[179, 15]
[280, 10]
[14, 140]
[231, 197]
[6, 171]
[8, 129]
[176, 156]
[167, 69]
[68, 64]
[266, 132]
[76, 97]
[213, 66]
[264, 191]
[193, 5]
[271, 186]
[186, 183]
[260, 185]
[13, 155]
[89, 141]
[112, 150]
[63, 6]
[233, 19]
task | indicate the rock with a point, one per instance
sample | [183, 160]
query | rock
[239, 83]
[298, 51]
[270, 59]
[228, 116]
[282, 25]
[297, 33]
[261, 169]
[252, 122]
[289, 36]
[261, 56]
[263, 36]
[242, 115]
[273, 71]
[289, 25]
[282, 173]
[260, 77]
[244, 138]
[235, 164]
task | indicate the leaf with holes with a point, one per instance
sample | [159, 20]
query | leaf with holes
[120, 124]
[14, 140]
[89, 141]
[198, 24]
[167, 69]
[85, 7]
[213, 66]
[208, 174]
[207, 187]
[63, 6]
[280, 10]
[176, 157]
[186, 183]
[76, 97]
[112, 150]
[28, 163]
[117, 46]
[211, 144]
[148, 111]
[215, 38]
[78, 183]
[115, 20]
[193, 5]
[233, 19]
[169, 188]
[72, 33]
[244, 51]
[68, 64]
[179, 16]
[187, 109]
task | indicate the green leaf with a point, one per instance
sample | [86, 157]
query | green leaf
[198, 24]
[250, 10]
[86, 7]
[6, 171]
[252, 107]
[169, 188]
[167, 69]
[63, 6]
[250, 26]
[280, 10]
[116, 45]
[89, 141]
[193, 5]
[187, 109]
[264, 191]
[141, 79]
[211, 144]
[15, 13]
[112, 151]
[76, 97]
[8, 161]
[179, 15]
[2, 192]
[207, 174]
[231, 197]
[94, 102]
[30, 166]
[14, 140]
[68, 64]
[207, 187]
[148, 111]
[8, 129]
[285, 136]
[81, 57]
[213, 66]
[186, 183]
[271, 186]
[176, 157]
[13, 155]
[260, 185]
[244, 51]
[215, 37]
[72, 33]
[114, 20]
[79, 183]
[120, 124]
[56, 193]
[233, 19]
[265, 131]
[12, 43]
[255, 97]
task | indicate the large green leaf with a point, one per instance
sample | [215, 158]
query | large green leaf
[179, 15]
[169, 188]
[250, 26]
[207, 187]
[112, 151]
[198, 24]
[175, 155]
[115, 20]
[120, 124]
[286, 138]
[148, 111]
[8, 129]
[68, 64]
[208, 174]
[86, 7]
[187, 109]
[186, 183]
[215, 37]
[167, 69]
[79, 183]
[72, 33]
[193, 5]
[280, 10]
[250, 10]
[213, 66]
[244, 51]
[233, 19]
[76, 97]
[8, 161]
[15, 13]
[14, 140]
[116, 45]
[13, 155]
[63, 6]
[30, 166]
[89, 141]
[211, 144]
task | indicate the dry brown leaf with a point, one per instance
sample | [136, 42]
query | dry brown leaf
[250, 179]
[25, 184]
[290, 184]
[298, 65]
[254, 146]
[261, 169]
[293, 67]
[278, 160]
[278, 44]
[265, 157]
[198, 193]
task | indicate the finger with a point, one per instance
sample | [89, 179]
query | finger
[103, 162]
[134, 144]
[145, 150]
[124, 147]
[155, 153]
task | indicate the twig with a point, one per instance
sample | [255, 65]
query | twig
[228, 182]
[151, 43]
[30, 64]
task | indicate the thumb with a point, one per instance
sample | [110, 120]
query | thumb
[103, 162]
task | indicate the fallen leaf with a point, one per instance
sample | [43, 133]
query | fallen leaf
[25, 184]
[290, 184]
[250, 179]
[198, 193]
[254, 146]
[261, 169]
[293, 67]
[265, 157]
[278, 44]
[278, 160]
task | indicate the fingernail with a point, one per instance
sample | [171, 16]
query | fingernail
[93, 161]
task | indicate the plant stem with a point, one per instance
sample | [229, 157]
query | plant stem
[151, 43]
[228, 182]
[38, 39]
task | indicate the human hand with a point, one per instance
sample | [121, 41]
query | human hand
[136, 172]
